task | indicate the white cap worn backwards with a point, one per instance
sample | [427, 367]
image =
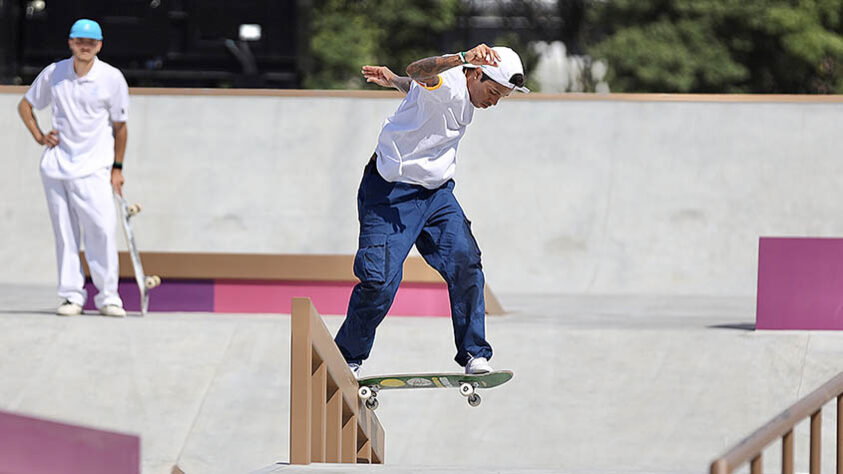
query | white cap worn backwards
[508, 66]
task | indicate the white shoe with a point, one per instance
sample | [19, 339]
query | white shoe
[478, 365]
[113, 310]
[355, 369]
[69, 308]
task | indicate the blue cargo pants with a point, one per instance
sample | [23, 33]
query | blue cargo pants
[393, 217]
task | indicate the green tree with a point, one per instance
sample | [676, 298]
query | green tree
[347, 34]
[753, 46]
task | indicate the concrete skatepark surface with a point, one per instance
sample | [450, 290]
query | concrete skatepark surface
[602, 384]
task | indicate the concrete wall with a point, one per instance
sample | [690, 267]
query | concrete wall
[631, 194]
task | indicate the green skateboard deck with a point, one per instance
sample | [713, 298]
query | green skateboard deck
[467, 384]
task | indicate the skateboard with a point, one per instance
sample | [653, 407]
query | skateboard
[145, 282]
[467, 384]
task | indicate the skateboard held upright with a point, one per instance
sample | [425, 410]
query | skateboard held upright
[145, 282]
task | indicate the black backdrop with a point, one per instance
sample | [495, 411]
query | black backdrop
[176, 43]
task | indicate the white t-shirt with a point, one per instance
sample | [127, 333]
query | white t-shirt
[418, 143]
[83, 110]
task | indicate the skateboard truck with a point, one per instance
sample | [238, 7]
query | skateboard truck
[151, 281]
[369, 395]
[467, 390]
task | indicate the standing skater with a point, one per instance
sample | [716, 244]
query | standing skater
[406, 197]
[82, 163]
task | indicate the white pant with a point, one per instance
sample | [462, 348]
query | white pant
[86, 203]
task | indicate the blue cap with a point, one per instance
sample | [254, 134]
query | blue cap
[86, 29]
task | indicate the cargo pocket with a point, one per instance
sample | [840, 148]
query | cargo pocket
[472, 239]
[370, 261]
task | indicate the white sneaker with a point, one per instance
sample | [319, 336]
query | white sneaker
[355, 369]
[478, 365]
[113, 310]
[69, 308]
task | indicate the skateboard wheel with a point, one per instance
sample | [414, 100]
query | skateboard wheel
[466, 389]
[365, 393]
[134, 209]
[152, 281]
[372, 403]
[474, 400]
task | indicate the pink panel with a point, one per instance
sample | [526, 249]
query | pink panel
[800, 283]
[33, 446]
[421, 299]
[250, 296]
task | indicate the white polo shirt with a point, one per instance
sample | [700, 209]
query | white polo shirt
[83, 110]
[418, 143]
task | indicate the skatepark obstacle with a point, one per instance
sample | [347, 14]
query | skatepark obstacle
[782, 426]
[35, 445]
[328, 422]
[266, 283]
[799, 280]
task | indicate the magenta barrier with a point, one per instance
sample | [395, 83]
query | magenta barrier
[175, 296]
[272, 296]
[800, 283]
[243, 296]
[34, 446]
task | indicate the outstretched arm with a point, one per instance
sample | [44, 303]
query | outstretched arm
[426, 70]
[382, 76]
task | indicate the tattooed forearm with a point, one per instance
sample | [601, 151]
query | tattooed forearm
[402, 83]
[430, 67]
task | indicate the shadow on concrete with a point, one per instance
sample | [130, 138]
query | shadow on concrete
[285, 467]
[738, 326]
[51, 312]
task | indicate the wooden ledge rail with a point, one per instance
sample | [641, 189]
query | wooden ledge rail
[328, 422]
[751, 448]
[283, 267]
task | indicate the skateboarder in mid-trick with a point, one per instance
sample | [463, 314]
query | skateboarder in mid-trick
[406, 197]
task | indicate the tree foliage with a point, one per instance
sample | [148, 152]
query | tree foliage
[347, 34]
[760, 46]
